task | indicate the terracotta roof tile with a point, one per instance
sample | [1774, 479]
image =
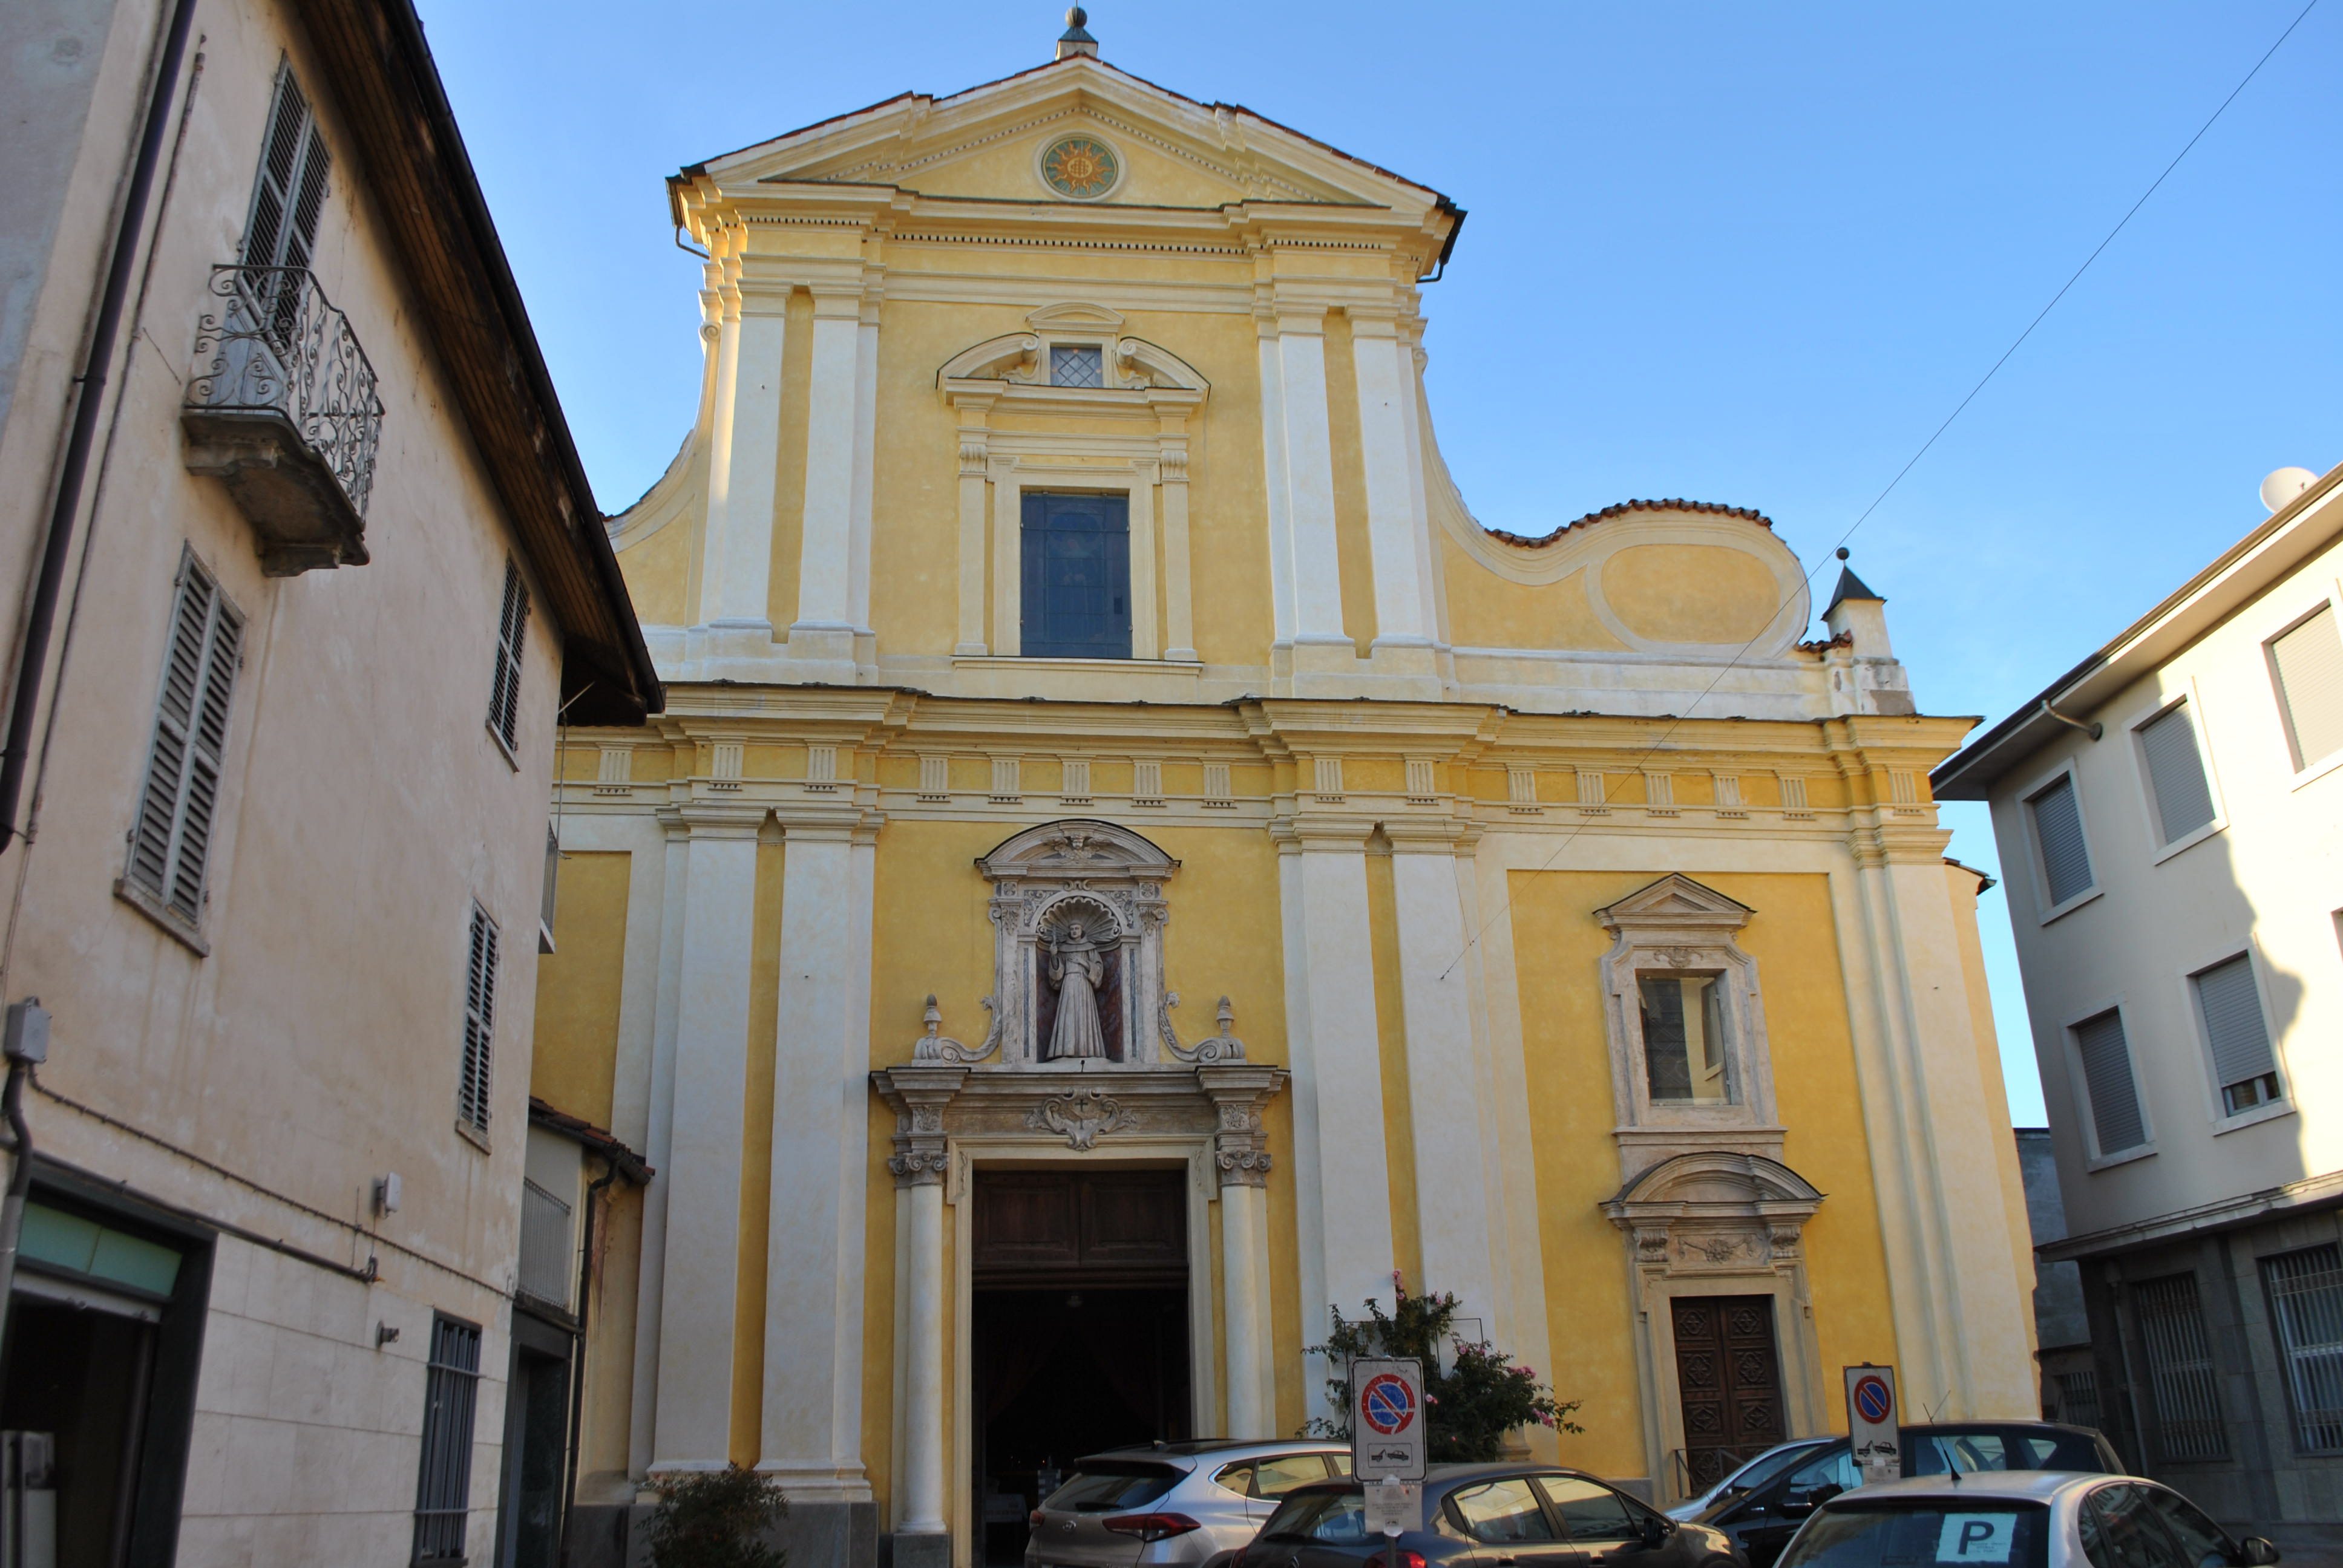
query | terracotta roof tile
[1622, 509]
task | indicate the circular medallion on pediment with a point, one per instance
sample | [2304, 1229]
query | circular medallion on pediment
[1083, 167]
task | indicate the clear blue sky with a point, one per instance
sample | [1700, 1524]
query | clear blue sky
[1741, 253]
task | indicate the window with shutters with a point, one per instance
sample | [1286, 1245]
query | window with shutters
[2110, 1089]
[170, 842]
[504, 691]
[2306, 664]
[2179, 788]
[2183, 1384]
[2236, 1035]
[289, 193]
[2061, 856]
[443, 1488]
[479, 1023]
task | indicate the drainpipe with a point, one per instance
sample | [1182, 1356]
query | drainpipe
[578, 1364]
[26, 1041]
[33, 657]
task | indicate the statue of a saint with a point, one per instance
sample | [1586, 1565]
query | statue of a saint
[1075, 969]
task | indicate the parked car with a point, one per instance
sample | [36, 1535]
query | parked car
[2020, 1519]
[1174, 1505]
[1487, 1516]
[1762, 1504]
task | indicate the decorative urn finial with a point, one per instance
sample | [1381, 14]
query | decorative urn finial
[1075, 40]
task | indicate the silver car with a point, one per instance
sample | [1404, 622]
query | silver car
[1171, 1505]
[2020, 1519]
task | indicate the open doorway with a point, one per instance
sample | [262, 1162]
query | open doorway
[1079, 1330]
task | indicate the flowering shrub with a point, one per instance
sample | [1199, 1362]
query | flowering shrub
[1469, 1408]
[713, 1520]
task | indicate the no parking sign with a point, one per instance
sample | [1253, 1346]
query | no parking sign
[1871, 1424]
[1387, 1419]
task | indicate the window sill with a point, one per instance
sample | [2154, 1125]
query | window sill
[1104, 665]
[473, 1136]
[2317, 771]
[2109, 1161]
[2217, 825]
[162, 915]
[2060, 911]
[2253, 1118]
[505, 751]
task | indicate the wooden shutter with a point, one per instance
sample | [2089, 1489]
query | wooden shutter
[2184, 801]
[170, 847]
[503, 694]
[2310, 661]
[2106, 1073]
[289, 193]
[2058, 830]
[479, 1021]
[2234, 1026]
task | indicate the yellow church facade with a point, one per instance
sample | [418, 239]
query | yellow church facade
[1128, 863]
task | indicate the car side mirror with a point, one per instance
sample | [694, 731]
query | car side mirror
[1656, 1529]
[2259, 1550]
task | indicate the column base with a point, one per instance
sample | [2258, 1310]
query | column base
[821, 651]
[921, 1550]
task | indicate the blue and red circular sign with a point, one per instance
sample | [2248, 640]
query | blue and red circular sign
[1871, 1400]
[1387, 1403]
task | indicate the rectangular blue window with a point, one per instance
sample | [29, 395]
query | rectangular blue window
[1076, 595]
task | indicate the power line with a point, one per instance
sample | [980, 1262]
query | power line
[1837, 552]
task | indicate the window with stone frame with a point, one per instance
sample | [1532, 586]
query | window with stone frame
[1683, 1012]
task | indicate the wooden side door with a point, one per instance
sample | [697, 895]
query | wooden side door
[1729, 1378]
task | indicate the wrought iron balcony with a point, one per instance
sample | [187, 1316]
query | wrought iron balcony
[282, 409]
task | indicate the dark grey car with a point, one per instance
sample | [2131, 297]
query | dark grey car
[1487, 1516]
[1763, 1506]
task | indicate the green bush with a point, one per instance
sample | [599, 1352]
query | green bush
[711, 1519]
[1469, 1408]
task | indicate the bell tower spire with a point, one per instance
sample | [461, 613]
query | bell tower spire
[1075, 39]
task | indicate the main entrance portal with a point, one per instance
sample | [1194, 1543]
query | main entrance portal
[1079, 1328]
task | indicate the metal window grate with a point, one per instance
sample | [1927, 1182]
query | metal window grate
[479, 1021]
[545, 1246]
[2305, 1293]
[443, 1489]
[2181, 1373]
[2231, 1007]
[1077, 368]
[503, 694]
[2058, 830]
[2309, 663]
[2078, 1398]
[2115, 1120]
[2184, 799]
[170, 845]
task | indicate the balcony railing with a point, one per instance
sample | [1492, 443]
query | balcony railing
[283, 407]
[546, 1250]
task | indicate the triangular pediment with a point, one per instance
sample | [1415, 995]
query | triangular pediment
[1676, 898]
[989, 144]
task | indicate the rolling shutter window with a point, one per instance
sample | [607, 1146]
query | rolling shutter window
[2058, 830]
[290, 191]
[170, 847]
[2238, 1033]
[504, 693]
[2176, 767]
[2309, 665]
[2115, 1120]
[479, 1022]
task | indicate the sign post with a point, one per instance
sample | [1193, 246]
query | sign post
[1387, 1441]
[1871, 1424]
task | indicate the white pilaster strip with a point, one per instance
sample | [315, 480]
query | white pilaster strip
[1393, 519]
[825, 557]
[1310, 477]
[1272, 462]
[743, 570]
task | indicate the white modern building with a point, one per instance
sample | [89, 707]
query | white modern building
[2170, 818]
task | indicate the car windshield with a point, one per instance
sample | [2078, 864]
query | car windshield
[1110, 1486]
[2001, 1448]
[1761, 1469]
[1338, 1518]
[1927, 1532]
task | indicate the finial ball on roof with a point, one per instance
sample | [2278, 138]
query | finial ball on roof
[1077, 18]
[1842, 552]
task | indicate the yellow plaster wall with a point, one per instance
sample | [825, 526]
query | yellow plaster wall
[1484, 611]
[575, 1055]
[757, 1159]
[1391, 1040]
[1961, 886]
[609, 1410]
[790, 472]
[658, 570]
[1007, 170]
[1354, 549]
[1690, 593]
[1560, 945]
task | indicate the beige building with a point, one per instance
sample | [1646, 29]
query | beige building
[1067, 612]
[301, 568]
[2170, 817]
